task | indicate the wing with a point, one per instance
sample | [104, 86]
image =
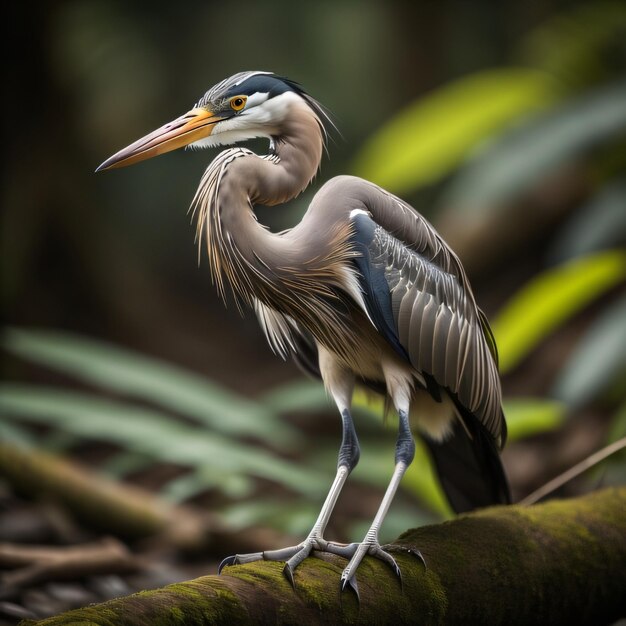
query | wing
[418, 297]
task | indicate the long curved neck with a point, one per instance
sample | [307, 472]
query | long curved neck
[279, 177]
[240, 250]
[304, 273]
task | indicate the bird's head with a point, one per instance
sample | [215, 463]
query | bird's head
[244, 106]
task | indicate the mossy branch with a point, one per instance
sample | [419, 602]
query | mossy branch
[555, 563]
[124, 510]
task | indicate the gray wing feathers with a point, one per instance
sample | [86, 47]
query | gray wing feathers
[439, 326]
[437, 320]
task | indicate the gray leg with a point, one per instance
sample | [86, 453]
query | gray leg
[294, 555]
[405, 451]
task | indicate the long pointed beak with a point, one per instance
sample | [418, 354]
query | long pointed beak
[196, 124]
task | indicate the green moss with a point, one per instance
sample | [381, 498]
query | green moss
[561, 562]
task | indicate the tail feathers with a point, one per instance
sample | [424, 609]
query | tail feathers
[469, 467]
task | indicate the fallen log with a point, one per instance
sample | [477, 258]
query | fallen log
[562, 562]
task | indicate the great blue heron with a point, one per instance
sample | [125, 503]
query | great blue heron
[363, 290]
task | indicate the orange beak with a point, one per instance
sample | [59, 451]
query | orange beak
[196, 124]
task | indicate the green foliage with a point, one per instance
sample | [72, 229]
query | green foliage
[13, 433]
[582, 46]
[222, 461]
[618, 427]
[599, 360]
[599, 224]
[429, 138]
[532, 416]
[175, 389]
[293, 517]
[550, 299]
[516, 161]
[151, 433]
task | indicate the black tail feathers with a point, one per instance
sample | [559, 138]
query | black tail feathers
[469, 467]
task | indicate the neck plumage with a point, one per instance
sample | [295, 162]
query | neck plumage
[300, 273]
[242, 252]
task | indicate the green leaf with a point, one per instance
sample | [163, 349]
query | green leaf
[125, 463]
[235, 486]
[295, 517]
[401, 516]
[158, 382]
[14, 434]
[377, 465]
[151, 433]
[550, 299]
[524, 156]
[430, 137]
[299, 395]
[599, 224]
[532, 416]
[598, 360]
[306, 395]
[369, 403]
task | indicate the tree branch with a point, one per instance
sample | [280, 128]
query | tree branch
[41, 563]
[556, 563]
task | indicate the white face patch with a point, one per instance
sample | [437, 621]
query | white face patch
[261, 117]
[256, 99]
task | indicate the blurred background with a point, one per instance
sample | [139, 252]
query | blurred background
[504, 123]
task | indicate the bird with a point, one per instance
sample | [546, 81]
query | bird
[363, 291]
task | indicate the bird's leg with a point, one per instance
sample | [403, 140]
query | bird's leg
[348, 458]
[294, 555]
[341, 389]
[405, 451]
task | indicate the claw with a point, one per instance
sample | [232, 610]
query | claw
[417, 554]
[227, 562]
[381, 554]
[413, 551]
[288, 572]
[350, 582]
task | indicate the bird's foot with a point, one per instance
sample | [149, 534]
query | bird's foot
[292, 555]
[357, 552]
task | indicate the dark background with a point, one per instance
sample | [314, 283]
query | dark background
[111, 256]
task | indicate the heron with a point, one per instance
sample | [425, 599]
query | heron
[363, 291]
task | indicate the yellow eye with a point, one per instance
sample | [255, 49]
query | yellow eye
[238, 102]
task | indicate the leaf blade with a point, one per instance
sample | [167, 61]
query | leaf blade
[174, 388]
[550, 299]
[151, 433]
[431, 136]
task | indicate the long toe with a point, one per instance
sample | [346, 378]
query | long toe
[268, 555]
[238, 559]
[294, 561]
[293, 555]
[341, 549]
[412, 551]
[348, 578]
[378, 552]
[229, 560]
